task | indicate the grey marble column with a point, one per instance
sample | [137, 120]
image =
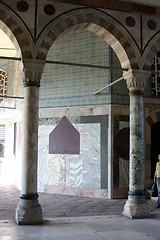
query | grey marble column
[136, 206]
[29, 210]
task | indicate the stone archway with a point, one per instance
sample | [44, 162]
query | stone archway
[78, 23]
[97, 22]
[126, 50]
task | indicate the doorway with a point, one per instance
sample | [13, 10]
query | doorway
[155, 146]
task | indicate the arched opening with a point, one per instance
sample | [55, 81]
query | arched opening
[69, 94]
[155, 147]
[72, 87]
[11, 88]
[152, 130]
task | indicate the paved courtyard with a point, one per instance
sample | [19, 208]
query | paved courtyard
[54, 205]
[76, 218]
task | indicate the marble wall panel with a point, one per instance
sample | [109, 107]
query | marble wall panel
[84, 170]
[74, 171]
[81, 170]
[51, 168]
[56, 170]
[8, 167]
[43, 143]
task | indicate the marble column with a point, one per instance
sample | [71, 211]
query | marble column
[110, 154]
[29, 210]
[136, 206]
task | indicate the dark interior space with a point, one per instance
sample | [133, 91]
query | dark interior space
[155, 146]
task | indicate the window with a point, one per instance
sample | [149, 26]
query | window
[2, 140]
[155, 76]
[3, 83]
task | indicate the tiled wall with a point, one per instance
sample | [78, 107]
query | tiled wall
[75, 86]
[64, 86]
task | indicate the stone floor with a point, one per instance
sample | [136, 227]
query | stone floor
[76, 218]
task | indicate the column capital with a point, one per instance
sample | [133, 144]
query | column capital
[136, 80]
[32, 72]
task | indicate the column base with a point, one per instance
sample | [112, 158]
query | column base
[28, 212]
[136, 208]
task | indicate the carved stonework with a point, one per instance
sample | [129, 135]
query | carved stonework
[33, 69]
[136, 80]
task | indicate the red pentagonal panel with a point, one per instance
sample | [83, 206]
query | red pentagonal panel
[64, 139]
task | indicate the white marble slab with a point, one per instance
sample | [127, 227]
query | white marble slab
[81, 170]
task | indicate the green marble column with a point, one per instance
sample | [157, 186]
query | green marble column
[136, 206]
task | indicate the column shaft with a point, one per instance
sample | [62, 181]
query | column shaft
[30, 140]
[136, 178]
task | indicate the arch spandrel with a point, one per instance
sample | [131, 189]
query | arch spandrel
[100, 24]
